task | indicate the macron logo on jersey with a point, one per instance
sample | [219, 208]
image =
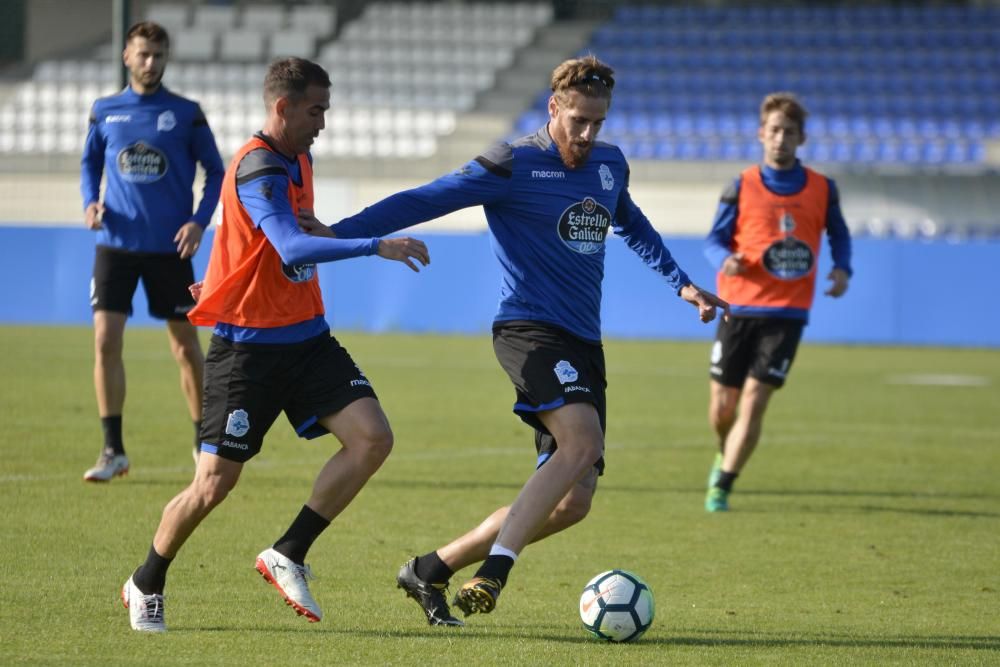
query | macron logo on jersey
[544, 173]
[118, 118]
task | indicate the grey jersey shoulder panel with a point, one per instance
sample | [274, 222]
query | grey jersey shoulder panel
[259, 162]
[731, 194]
[498, 159]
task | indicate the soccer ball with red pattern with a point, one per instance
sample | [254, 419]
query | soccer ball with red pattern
[617, 606]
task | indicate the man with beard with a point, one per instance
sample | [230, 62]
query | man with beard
[549, 199]
[764, 243]
[150, 140]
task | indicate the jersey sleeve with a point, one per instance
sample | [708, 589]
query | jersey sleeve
[262, 186]
[92, 162]
[483, 180]
[718, 244]
[205, 151]
[837, 232]
[634, 227]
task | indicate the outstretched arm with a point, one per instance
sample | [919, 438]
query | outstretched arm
[706, 302]
[481, 181]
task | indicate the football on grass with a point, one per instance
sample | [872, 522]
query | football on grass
[617, 606]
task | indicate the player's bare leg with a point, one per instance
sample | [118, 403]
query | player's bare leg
[109, 368]
[366, 439]
[425, 579]
[577, 429]
[474, 546]
[744, 435]
[186, 349]
[109, 387]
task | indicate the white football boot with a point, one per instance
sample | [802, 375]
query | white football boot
[145, 612]
[290, 579]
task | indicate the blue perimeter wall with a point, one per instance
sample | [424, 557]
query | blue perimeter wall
[904, 291]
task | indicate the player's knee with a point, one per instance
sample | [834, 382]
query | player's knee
[722, 413]
[573, 508]
[107, 347]
[211, 491]
[590, 453]
[377, 445]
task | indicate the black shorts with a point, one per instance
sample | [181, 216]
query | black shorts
[761, 347]
[165, 279]
[247, 385]
[550, 367]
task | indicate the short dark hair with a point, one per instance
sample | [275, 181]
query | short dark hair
[154, 32]
[586, 75]
[290, 77]
[786, 103]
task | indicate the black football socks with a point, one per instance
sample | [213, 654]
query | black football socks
[496, 567]
[432, 569]
[301, 534]
[113, 434]
[152, 575]
[726, 480]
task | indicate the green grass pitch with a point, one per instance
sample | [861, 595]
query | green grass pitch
[866, 529]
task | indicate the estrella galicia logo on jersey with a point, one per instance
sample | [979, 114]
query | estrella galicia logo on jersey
[141, 163]
[238, 423]
[166, 121]
[788, 259]
[607, 179]
[565, 372]
[464, 170]
[299, 273]
[584, 226]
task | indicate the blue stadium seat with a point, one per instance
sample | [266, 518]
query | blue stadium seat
[885, 84]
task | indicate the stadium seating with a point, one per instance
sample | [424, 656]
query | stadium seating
[398, 82]
[886, 85]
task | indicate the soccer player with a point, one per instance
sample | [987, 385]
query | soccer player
[271, 349]
[147, 142]
[550, 199]
[764, 243]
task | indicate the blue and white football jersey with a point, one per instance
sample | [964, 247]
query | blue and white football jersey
[148, 146]
[549, 224]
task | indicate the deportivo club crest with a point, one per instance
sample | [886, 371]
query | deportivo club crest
[238, 423]
[607, 180]
[786, 222]
[565, 372]
[166, 121]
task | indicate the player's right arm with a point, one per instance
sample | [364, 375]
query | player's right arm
[262, 186]
[91, 168]
[718, 244]
[483, 180]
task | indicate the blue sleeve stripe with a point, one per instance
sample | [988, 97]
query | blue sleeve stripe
[493, 168]
[211, 449]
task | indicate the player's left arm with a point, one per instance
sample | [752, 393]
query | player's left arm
[840, 245]
[205, 151]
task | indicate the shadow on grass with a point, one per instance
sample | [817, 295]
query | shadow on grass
[975, 642]
[765, 640]
[446, 484]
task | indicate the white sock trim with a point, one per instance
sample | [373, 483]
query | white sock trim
[499, 550]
